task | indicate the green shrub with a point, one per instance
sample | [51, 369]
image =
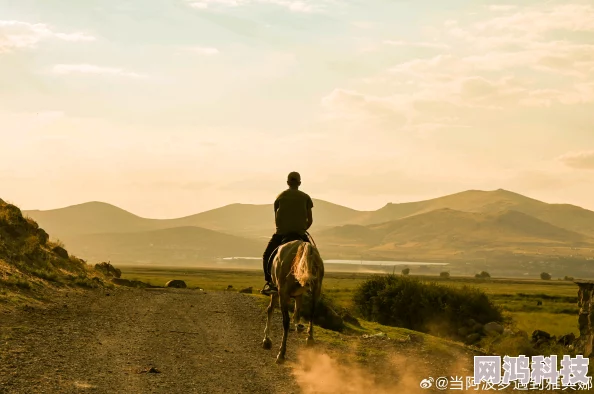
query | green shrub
[483, 275]
[406, 271]
[545, 276]
[444, 274]
[426, 307]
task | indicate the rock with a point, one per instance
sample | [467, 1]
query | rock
[178, 284]
[108, 270]
[380, 335]
[566, 340]
[507, 332]
[473, 338]
[478, 327]
[42, 236]
[60, 251]
[493, 328]
[539, 335]
[247, 290]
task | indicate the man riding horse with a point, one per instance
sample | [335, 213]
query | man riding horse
[293, 217]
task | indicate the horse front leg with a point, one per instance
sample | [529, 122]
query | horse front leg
[315, 296]
[297, 315]
[267, 342]
[286, 324]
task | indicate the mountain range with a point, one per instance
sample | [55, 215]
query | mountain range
[473, 224]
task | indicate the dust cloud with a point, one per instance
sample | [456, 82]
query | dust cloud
[318, 373]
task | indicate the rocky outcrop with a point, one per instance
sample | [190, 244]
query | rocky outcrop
[108, 270]
[176, 283]
[586, 316]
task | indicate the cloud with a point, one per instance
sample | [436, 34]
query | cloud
[16, 35]
[63, 69]
[291, 5]
[436, 45]
[502, 7]
[206, 51]
[583, 160]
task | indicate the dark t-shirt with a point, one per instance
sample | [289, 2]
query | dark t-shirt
[290, 210]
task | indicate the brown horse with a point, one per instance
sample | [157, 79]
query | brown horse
[296, 268]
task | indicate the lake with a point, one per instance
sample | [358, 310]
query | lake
[358, 262]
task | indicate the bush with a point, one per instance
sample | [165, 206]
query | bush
[483, 275]
[444, 274]
[545, 276]
[326, 315]
[406, 271]
[570, 278]
[426, 307]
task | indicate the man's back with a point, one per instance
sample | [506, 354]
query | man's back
[290, 210]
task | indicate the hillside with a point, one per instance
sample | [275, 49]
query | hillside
[474, 220]
[446, 232]
[565, 216]
[238, 219]
[29, 262]
[175, 245]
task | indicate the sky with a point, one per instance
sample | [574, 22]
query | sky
[171, 107]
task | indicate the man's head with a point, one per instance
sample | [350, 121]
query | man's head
[294, 180]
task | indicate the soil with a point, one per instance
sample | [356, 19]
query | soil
[144, 341]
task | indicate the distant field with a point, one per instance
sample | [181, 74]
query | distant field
[518, 298]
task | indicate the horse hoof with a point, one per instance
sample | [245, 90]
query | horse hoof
[299, 328]
[267, 343]
[309, 342]
[280, 360]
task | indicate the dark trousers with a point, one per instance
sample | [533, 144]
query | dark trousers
[276, 241]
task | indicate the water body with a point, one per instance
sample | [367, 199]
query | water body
[358, 262]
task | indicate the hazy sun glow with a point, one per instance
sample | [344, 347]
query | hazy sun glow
[167, 108]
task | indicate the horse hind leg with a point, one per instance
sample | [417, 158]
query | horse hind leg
[267, 342]
[286, 324]
[315, 296]
[297, 315]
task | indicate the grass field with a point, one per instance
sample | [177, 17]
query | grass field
[518, 298]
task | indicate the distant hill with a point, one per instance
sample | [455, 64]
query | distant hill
[473, 220]
[238, 219]
[174, 245]
[562, 215]
[446, 232]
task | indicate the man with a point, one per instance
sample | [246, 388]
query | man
[293, 217]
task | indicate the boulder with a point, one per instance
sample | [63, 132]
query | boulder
[247, 290]
[42, 236]
[60, 251]
[178, 284]
[493, 328]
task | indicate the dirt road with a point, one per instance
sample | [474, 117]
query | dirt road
[98, 343]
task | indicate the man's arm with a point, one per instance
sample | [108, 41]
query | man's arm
[309, 213]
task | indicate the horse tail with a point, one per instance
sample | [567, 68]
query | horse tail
[304, 267]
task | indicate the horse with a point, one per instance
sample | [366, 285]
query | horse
[296, 268]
